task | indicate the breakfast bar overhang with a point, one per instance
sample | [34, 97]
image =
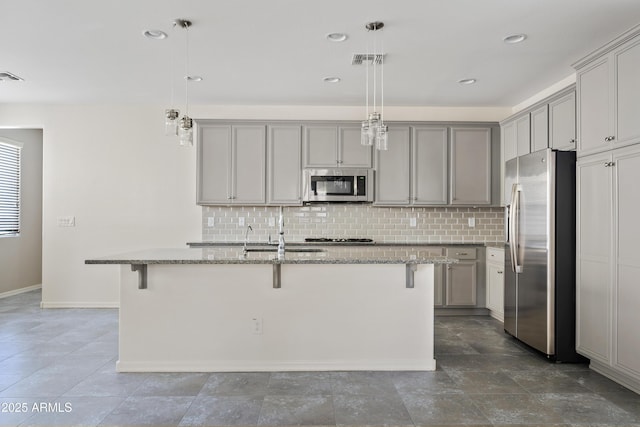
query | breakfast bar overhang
[224, 309]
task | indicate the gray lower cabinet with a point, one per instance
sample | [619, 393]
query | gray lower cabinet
[284, 165]
[329, 146]
[460, 287]
[461, 278]
[231, 164]
[470, 166]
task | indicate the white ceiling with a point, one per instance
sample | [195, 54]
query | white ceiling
[274, 52]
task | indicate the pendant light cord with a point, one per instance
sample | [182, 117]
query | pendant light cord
[186, 76]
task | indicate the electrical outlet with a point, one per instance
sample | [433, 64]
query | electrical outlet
[66, 221]
[211, 222]
[272, 221]
[256, 325]
[472, 222]
[241, 221]
[413, 222]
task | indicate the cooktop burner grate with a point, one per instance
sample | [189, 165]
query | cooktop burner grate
[329, 240]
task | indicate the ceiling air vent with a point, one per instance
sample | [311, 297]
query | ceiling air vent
[362, 58]
[6, 76]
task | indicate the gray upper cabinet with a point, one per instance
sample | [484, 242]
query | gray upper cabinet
[509, 141]
[516, 137]
[414, 171]
[284, 164]
[351, 153]
[595, 127]
[523, 135]
[627, 61]
[540, 128]
[609, 96]
[393, 169]
[429, 166]
[470, 166]
[231, 164]
[335, 146]
[214, 164]
[562, 122]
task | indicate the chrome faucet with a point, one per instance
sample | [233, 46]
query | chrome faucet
[246, 237]
[281, 233]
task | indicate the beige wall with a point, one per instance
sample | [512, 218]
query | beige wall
[21, 256]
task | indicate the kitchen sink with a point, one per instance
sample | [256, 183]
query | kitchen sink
[275, 249]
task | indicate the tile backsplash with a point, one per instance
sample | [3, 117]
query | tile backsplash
[382, 224]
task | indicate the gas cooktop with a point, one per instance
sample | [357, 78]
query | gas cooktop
[329, 240]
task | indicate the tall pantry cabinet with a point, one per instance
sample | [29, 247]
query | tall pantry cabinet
[608, 230]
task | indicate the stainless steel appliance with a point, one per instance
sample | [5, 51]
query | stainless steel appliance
[539, 288]
[337, 185]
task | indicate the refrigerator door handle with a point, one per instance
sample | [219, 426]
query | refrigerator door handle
[514, 228]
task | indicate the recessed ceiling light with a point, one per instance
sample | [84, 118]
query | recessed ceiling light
[514, 38]
[467, 81]
[155, 34]
[336, 37]
[194, 78]
[331, 79]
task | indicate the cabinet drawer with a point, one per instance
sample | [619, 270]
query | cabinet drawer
[495, 255]
[461, 253]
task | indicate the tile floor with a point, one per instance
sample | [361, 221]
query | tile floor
[57, 368]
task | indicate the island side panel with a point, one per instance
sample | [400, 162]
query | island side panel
[200, 318]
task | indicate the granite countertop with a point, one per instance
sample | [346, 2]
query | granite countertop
[207, 244]
[371, 254]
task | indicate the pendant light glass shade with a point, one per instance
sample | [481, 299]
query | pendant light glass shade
[185, 131]
[171, 122]
[382, 138]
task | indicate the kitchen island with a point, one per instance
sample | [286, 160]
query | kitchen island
[226, 309]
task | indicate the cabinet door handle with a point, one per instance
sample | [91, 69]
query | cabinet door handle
[609, 164]
[461, 253]
[609, 138]
[572, 141]
[499, 272]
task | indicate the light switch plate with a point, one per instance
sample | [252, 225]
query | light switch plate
[211, 222]
[66, 221]
[241, 221]
[272, 221]
[413, 222]
[472, 222]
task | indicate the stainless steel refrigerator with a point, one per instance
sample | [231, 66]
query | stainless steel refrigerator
[539, 288]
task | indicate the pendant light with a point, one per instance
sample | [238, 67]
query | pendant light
[172, 114]
[185, 128]
[374, 131]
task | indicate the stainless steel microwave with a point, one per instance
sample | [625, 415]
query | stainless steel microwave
[337, 185]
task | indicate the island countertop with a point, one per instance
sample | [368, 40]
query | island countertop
[318, 255]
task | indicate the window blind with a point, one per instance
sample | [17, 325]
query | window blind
[9, 189]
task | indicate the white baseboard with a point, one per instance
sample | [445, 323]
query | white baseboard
[615, 375]
[19, 291]
[79, 304]
[497, 315]
[275, 366]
